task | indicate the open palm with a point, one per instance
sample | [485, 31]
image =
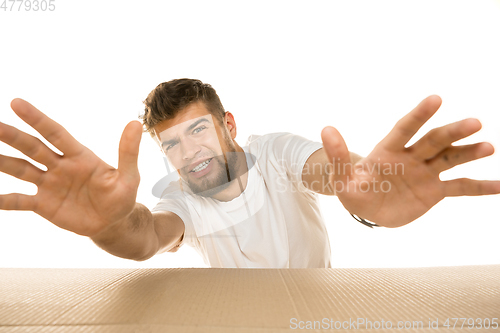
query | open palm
[78, 191]
[395, 184]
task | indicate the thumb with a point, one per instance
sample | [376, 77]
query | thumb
[129, 149]
[337, 152]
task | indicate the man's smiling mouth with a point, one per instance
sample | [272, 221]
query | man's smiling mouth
[201, 166]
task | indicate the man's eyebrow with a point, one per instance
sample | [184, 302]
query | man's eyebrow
[190, 127]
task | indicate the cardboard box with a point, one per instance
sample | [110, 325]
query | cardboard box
[249, 300]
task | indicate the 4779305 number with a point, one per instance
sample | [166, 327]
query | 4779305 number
[477, 323]
[28, 5]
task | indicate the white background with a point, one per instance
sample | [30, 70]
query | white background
[292, 66]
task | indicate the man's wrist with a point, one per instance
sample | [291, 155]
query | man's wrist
[126, 225]
[133, 237]
[364, 222]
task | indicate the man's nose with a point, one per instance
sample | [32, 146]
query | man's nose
[189, 148]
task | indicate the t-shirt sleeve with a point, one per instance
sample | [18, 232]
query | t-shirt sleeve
[177, 204]
[292, 152]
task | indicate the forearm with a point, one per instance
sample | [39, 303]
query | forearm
[320, 182]
[131, 238]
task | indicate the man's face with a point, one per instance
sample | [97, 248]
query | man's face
[199, 148]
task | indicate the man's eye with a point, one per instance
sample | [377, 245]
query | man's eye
[170, 146]
[199, 128]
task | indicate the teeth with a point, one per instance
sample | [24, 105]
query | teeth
[201, 166]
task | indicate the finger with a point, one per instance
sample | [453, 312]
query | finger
[337, 152]
[466, 186]
[407, 126]
[28, 145]
[441, 138]
[16, 201]
[20, 169]
[48, 128]
[455, 155]
[129, 149]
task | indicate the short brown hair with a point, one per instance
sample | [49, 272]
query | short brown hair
[168, 98]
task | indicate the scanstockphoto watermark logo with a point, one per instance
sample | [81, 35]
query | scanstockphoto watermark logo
[355, 324]
[373, 176]
[428, 324]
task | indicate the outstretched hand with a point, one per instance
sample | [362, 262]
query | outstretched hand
[78, 192]
[395, 184]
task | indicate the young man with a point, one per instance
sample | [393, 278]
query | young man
[240, 207]
[254, 206]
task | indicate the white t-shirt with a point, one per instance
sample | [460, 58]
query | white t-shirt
[274, 223]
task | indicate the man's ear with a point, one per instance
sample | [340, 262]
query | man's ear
[230, 124]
